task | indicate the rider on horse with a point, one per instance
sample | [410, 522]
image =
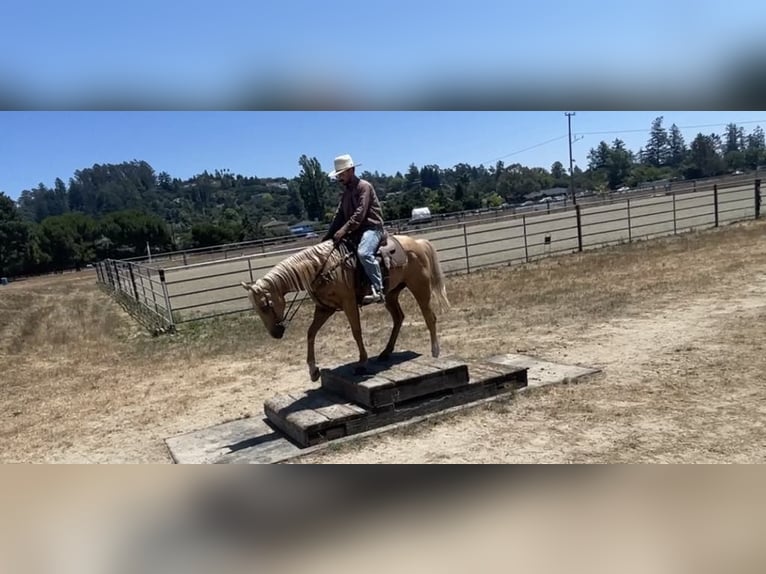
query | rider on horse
[359, 218]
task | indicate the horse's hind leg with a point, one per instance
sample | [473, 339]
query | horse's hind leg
[422, 294]
[395, 309]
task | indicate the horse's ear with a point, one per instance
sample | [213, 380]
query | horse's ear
[245, 286]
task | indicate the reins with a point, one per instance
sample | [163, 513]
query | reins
[288, 316]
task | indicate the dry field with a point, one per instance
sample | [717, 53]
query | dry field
[676, 325]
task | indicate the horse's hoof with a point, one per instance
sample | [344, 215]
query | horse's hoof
[383, 357]
[314, 375]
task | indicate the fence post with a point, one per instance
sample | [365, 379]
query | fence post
[526, 248]
[674, 214]
[118, 283]
[133, 280]
[757, 198]
[715, 202]
[108, 273]
[250, 269]
[143, 289]
[153, 292]
[465, 243]
[579, 227]
[630, 234]
[171, 325]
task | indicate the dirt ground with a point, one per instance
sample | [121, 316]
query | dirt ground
[676, 325]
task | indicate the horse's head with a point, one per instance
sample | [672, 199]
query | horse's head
[269, 305]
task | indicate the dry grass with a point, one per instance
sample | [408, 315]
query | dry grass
[676, 325]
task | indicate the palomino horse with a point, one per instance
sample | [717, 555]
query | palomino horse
[321, 271]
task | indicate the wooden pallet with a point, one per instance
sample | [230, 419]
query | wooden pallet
[349, 404]
[396, 384]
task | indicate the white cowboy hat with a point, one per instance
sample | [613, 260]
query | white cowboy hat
[342, 163]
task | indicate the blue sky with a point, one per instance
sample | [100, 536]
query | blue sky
[40, 146]
[338, 54]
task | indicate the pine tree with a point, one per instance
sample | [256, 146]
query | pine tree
[677, 147]
[656, 152]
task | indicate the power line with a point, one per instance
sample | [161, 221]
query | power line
[528, 148]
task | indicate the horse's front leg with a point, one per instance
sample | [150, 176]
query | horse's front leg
[397, 315]
[321, 314]
[352, 314]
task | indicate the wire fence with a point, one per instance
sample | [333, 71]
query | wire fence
[163, 298]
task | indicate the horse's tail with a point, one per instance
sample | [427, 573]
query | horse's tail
[438, 286]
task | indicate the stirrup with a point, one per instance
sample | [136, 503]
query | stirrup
[376, 297]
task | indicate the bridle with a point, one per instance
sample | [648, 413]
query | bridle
[288, 316]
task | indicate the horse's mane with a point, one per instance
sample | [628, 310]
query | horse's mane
[298, 271]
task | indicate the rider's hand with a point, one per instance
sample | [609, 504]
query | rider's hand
[338, 237]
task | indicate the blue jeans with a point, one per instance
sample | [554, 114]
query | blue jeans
[368, 246]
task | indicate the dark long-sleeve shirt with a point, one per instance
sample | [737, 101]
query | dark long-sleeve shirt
[358, 210]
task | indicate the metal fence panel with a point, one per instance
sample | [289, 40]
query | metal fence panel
[189, 292]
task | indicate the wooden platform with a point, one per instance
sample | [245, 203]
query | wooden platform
[348, 404]
[256, 440]
[388, 384]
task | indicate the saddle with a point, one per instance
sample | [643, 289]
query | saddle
[390, 255]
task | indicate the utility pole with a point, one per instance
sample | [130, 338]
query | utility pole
[571, 169]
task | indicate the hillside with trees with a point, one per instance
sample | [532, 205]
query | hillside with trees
[117, 210]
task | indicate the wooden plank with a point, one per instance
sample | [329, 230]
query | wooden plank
[482, 374]
[442, 382]
[311, 417]
[270, 452]
[340, 412]
[419, 369]
[497, 367]
[441, 362]
[277, 410]
[357, 391]
[428, 405]
[380, 387]
[396, 374]
[424, 380]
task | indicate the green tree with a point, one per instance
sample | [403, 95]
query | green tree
[755, 152]
[657, 150]
[735, 139]
[429, 177]
[557, 171]
[14, 238]
[68, 240]
[676, 147]
[599, 157]
[703, 159]
[294, 201]
[313, 187]
[209, 234]
[612, 164]
[129, 231]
